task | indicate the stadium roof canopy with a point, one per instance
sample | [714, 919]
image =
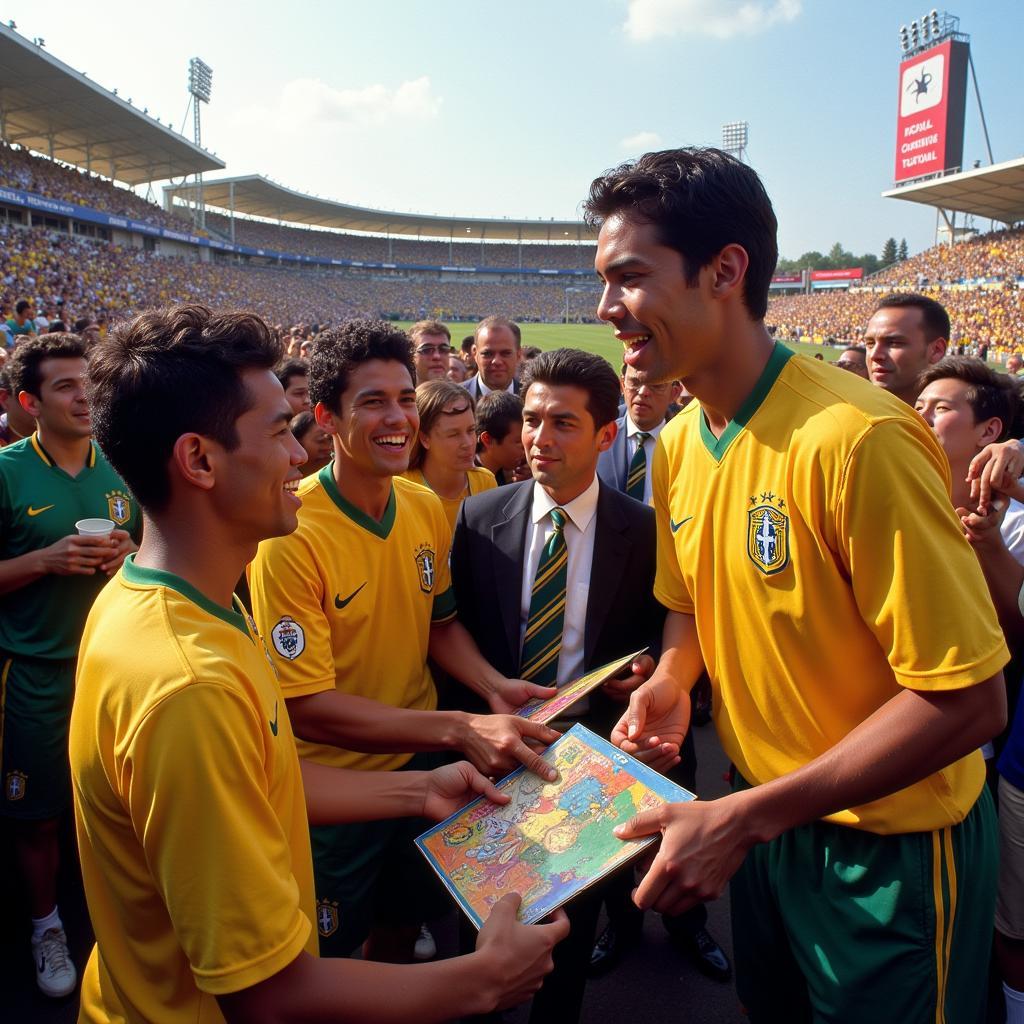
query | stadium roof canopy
[256, 196]
[49, 107]
[996, 192]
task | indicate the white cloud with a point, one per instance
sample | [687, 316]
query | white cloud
[313, 103]
[721, 19]
[641, 141]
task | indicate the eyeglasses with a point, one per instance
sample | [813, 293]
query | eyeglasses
[655, 389]
[429, 350]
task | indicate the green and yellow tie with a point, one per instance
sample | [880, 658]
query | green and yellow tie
[543, 641]
[637, 476]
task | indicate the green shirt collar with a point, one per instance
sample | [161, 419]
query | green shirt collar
[160, 578]
[380, 529]
[717, 446]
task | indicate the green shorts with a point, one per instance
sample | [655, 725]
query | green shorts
[834, 924]
[371, 873]
[35, 710]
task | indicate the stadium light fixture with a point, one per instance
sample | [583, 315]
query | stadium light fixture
[933, 19]
[200, 79]
[904, 38]
[735, 136]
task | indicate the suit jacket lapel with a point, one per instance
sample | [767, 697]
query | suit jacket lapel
[611, 554]
[508, 551]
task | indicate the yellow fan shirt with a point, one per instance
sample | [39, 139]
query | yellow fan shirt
[189, 805]
[816, 545]
[478, 479]
[347, 602]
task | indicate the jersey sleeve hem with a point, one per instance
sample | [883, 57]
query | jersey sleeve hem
[235, 979]
[308, 687]
[444, 608]
[955, 677]
[673, 604]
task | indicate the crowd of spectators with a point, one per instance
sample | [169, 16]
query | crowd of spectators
[20, 170]
[378, 249]
[998, 255]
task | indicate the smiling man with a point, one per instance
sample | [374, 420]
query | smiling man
[906, 334]
[49, 577]
[354, 601]
[856, 664]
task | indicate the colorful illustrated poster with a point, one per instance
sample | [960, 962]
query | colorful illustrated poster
[553, 839]
[547, 709]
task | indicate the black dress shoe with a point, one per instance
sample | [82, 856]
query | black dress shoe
[609, 949]
[706, 954]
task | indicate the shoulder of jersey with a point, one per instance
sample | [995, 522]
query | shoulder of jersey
[14, 451]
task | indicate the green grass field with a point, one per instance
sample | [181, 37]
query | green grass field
[594, 338]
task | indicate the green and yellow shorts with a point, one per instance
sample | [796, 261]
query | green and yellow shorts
[35, 711]
[835, 924]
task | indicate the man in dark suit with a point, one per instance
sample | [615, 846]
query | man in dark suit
[497, 352]
[503, 540]
[626, 466]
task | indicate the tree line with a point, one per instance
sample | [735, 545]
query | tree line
[838, 258]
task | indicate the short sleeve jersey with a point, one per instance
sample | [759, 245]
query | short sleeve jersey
[816, 545]
[347, 602]
[40, 504]
[478, 479]
[189, 805]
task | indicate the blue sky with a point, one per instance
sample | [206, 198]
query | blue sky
[471, 108]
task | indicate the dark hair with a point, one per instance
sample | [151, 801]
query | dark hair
[989, 394]
[489, 322]
[856, 348]
[497, 413]
[467, 343]
[291, 368]
[933, 314]
[24, 367]
[700, 201]
[583, 370]
[300, 423]
[21, 305]
[339, 350]
[170, 372]
[57, 327]
[82, 322]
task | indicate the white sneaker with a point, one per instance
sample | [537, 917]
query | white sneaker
[426, 947]
[55, 973]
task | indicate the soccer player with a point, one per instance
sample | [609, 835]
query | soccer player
[191, 802]
[354, 601]
[49, 576]
[905, 335]
[497, 353]
[431, 347]
[810, 559]
[294, 377]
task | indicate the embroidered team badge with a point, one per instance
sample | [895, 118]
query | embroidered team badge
[327, 917]
[768, 533]
[119, 505]
[14, 785]
[426, 563]
[289, 638]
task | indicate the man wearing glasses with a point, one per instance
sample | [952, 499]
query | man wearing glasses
[431, 347]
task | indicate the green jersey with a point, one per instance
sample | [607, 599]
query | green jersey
[40, 504]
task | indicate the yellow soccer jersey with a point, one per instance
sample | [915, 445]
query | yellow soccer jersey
[816, 545]
[348, 602]
[478, 479]
[189, 805]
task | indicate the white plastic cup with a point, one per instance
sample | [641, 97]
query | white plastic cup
[94, 527]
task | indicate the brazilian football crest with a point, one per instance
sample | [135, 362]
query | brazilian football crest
[768, 533]
[289, 638]
[426, 564]
[14, 785]
[327, 917]
[119, 506]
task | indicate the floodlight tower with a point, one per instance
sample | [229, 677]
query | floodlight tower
[734, 139]
[200, 80]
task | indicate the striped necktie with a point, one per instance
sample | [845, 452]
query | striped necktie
[637, 476]
[543, 640]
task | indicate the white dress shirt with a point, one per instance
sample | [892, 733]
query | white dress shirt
[579, 532]
[485, 390]
[633, 442]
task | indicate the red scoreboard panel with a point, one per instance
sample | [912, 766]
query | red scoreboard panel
[932, 100]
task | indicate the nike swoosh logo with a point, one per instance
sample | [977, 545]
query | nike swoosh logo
[675, 526]
[273, 724]
[340, 602]
[35, 511]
